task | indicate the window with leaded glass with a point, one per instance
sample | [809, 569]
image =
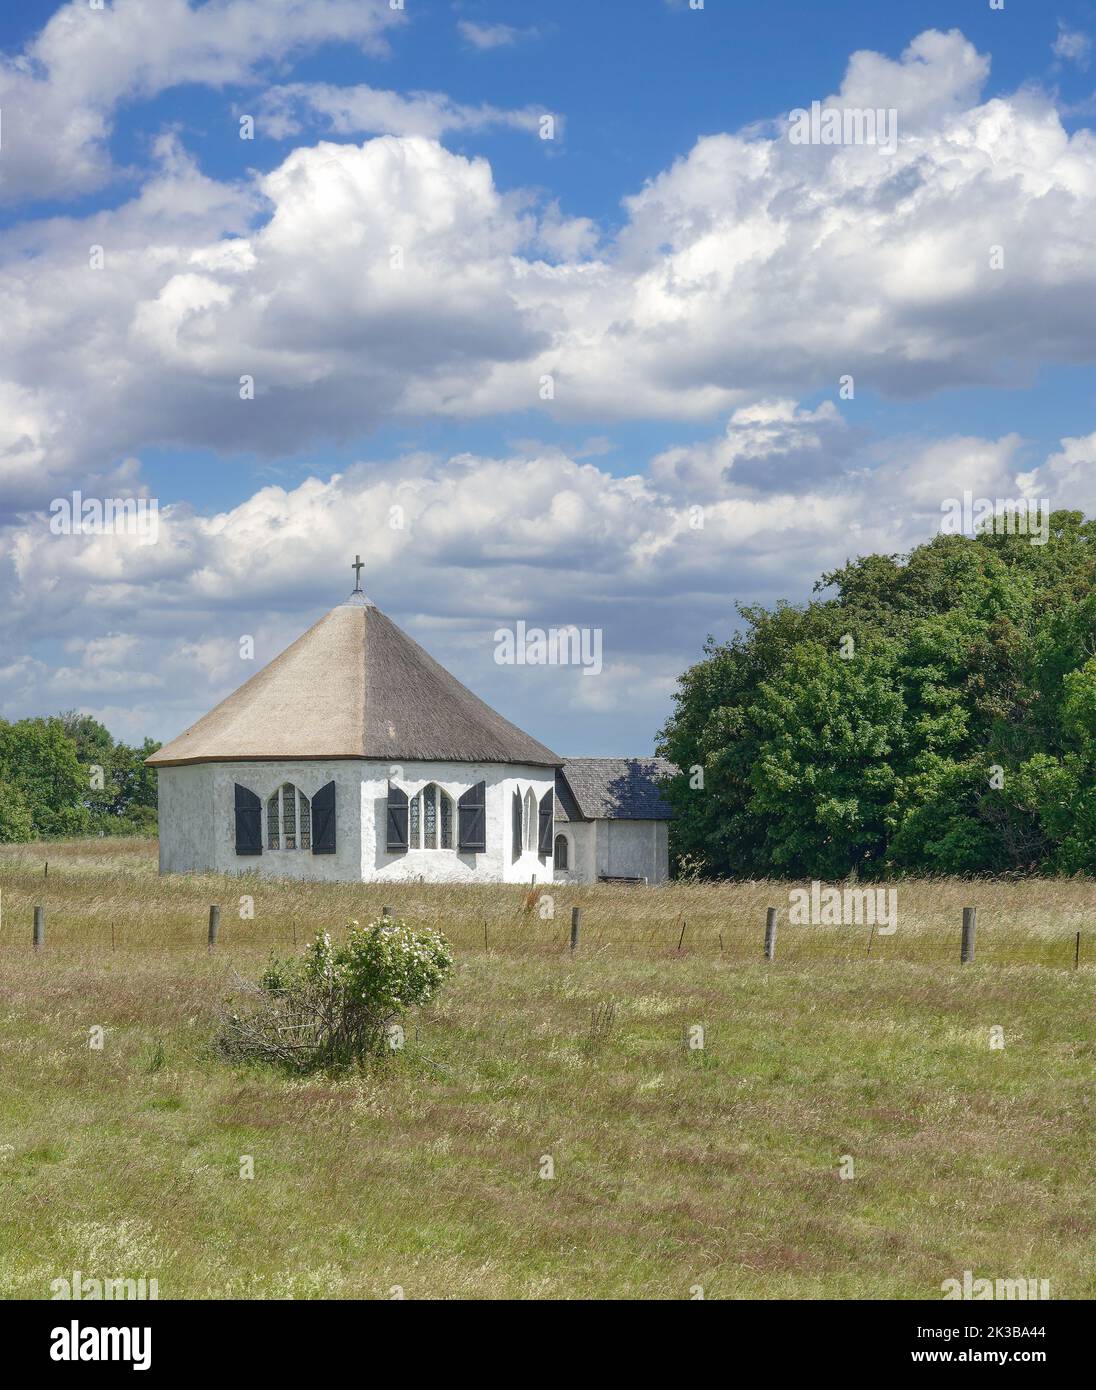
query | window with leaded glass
[430, 819]
[288, 819]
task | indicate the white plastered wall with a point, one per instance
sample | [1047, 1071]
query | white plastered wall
[633, 849]
[495, 865]
[308, 776]
[581, 860]
[185, 799]
[616, 849]
[197, 820]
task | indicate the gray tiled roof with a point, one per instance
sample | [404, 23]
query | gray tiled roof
[612, 789]
[566, 805]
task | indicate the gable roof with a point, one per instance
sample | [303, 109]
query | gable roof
[565, 804]
[612, 789]
[354, 686]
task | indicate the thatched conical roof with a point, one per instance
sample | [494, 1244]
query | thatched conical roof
[354, 686]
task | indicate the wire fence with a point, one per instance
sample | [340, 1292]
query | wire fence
[739, 942]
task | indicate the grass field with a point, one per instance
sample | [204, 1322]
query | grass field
[673, 1168]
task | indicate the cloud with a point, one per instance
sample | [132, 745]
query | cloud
[60, 94]
[392, 280]
[938, 77]
[489, 36]
[1069, 474]
[388, 279]
[770, 446]
[364, 110]
[755, 266]
[1072, 46]
[456, 546]
[379, 272]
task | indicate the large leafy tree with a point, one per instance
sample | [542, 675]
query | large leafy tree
[15, 819]
[67, 776]
[930, 712]
[120, 792]
[39, 761]
[830, 728]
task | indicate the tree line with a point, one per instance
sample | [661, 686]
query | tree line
[932, 712]
[66, 776]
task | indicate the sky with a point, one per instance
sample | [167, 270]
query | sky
[539, 309]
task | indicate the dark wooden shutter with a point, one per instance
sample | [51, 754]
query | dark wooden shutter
[472, 818]
[249, 822]
[547, 815]
[323, 820]
[517, 824]
[397, 820]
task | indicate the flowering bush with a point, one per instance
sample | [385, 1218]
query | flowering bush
[335, 1005]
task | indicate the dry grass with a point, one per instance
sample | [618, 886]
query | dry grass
[104, 891]
[673, 1168]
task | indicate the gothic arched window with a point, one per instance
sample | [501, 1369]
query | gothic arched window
[430, 819]
[288, 819]
[560, 855]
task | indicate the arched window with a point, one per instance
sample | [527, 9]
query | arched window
[430, 819]
[288, 819]
[560, 855]
[530, 820]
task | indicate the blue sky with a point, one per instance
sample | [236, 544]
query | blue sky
[694, 288]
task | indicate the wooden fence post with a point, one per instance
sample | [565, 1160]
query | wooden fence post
[770, 933]
[214, 925]
[576, 923]
[970, 923]
[681, 938]
[1077, 951]
[39, 928]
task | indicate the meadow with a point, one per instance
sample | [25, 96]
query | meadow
[849, 1128]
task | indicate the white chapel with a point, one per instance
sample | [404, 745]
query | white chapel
[355, 756]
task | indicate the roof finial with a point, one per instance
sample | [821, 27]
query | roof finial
[357, 567]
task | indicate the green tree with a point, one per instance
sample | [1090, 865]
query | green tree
[39, 761]
[67, 776]
[120, 791]
[930, 712]
[831, 729]
[16, 824]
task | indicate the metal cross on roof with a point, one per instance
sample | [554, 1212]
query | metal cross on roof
[357, 567]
